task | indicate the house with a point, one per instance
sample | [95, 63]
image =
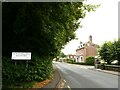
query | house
[71, 56]
[86, 50]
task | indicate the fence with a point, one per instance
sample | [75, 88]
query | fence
[108, 67]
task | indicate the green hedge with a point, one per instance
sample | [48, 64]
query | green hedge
[90, 60]
[81, 63]
[38, 69]
[70, 61]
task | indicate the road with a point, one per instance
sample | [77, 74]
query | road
[76, 76]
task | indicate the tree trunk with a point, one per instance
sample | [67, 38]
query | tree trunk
[108, 62]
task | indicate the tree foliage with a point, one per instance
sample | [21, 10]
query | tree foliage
[106, 52]
[62, 55]
[116, 50]
[40, 28]
[90, 60]
[110, 51]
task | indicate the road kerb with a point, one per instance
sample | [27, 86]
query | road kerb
[59, 83]
[105, 71]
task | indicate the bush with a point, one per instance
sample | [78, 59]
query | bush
[70, 60]
[38, 69]
[90, 61]
[81, 63]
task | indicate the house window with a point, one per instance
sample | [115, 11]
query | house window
[81, 46]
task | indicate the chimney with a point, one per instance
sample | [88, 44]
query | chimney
[90, 38]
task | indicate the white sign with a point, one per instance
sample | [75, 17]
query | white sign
[21, 56]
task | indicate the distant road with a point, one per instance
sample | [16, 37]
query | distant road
[81, 77]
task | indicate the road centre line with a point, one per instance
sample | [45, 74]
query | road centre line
[64, 81]
[69, 87]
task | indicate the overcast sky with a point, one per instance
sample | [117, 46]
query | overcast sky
[101, 24]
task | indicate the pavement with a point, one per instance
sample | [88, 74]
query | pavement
[106, 71]
[55, 82]
[57, 79]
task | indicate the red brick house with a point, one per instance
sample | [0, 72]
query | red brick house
[86, 50]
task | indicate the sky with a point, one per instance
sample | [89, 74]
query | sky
[101, 24]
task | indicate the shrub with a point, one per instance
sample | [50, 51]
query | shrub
[38, 69]
[70, 60]
[81, 63]
[90, 61]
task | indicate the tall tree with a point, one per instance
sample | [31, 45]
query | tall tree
[42, 28]
[116, 51]
[106, 52]
[62, 55]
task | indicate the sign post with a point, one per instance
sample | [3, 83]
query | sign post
[15, 63]
[27, 63]
[18, 56]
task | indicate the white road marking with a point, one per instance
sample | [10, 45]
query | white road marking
[69, 87]
[64, 81]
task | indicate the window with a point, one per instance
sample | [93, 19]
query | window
[81, 46]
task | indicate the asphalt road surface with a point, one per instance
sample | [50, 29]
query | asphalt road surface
[76, 76]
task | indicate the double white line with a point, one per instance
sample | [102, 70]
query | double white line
[67, 86]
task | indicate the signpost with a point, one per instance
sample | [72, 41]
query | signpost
[21, 56]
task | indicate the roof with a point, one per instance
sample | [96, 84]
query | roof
[71, 54]
[80, 48]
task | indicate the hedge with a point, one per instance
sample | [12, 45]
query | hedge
[90, 60]
[38, 69]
